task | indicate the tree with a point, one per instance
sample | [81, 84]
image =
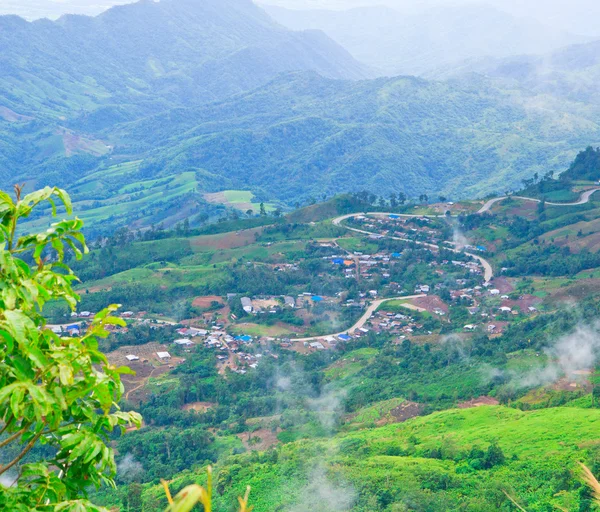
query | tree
[57, 392]
[263, 210]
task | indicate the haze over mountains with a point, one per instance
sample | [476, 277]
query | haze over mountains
[395, 42]
[221, 93]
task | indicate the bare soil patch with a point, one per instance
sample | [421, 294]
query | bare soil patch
[206, 302]
[431, 303]
[199, 406]
[259, 440]
[406, 411]
[503, 284]
[148, 366]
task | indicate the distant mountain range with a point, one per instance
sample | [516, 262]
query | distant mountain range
[398, 43]
[182, 97]
[136, 60]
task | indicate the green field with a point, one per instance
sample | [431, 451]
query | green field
[240, 199]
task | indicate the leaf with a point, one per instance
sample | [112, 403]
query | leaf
[66, 374]
[15, 401]
[188, 498]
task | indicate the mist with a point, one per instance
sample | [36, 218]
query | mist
[571, 356]
[578, 16]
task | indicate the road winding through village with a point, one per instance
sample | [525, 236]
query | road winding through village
[373, 307]
[488, 271]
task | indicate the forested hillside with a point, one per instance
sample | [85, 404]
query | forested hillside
[303, 135]
[177, 99]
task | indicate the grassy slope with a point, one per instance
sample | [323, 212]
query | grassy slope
[539, 446]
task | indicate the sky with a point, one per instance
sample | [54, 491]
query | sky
[576, 16]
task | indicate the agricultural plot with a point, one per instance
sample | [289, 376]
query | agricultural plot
[242, 200]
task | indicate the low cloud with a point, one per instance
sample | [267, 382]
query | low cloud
[130, 470]
[323, 495]
[575, 352]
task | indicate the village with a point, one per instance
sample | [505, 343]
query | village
[400, 282]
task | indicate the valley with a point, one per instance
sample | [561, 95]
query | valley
[299, 255]
[430, 352]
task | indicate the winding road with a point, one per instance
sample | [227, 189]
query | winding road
[487, 267]
[488, 271]
[583, 199]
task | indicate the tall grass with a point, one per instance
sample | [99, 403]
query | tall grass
[190, 496]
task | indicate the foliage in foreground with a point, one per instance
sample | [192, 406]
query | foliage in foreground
[57, 394]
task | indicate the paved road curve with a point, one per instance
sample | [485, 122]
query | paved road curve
[583, 199]
[363, 319]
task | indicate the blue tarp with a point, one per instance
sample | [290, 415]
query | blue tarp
[394, 216]
[316, 298]
[245, 339]
[344, 337]
[396, 255]
[338, 261]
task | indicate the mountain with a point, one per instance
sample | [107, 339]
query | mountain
[176, 50]
[133, 61]
[570, 73]
[36, 9]
[399, 43]
[303, 135]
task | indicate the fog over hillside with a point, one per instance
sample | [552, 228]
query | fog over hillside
[396, 42]
[577, 16]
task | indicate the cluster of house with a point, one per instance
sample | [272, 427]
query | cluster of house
[331, 342]
[394, 323]
[230, 349]
[272, 305]
[409, 228]
[365, 265]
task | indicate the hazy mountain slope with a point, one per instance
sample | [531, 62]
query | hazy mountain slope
[572, 73]
[304, 135]
[35, 9]
[136, 60]
[399, 43]
[178, 50]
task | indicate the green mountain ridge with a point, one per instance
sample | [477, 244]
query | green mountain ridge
[303, 135]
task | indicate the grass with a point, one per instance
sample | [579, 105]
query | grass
[376, 412]
[355, 244]
[351, 363]
[540, 447]
[257, 330]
